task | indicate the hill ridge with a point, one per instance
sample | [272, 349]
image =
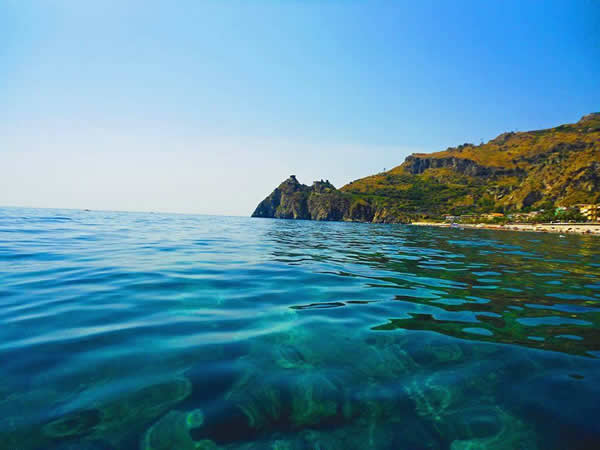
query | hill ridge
[515, 171]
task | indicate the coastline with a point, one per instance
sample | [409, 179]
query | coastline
[563, 228]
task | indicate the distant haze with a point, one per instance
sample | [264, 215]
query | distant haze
[205, 107]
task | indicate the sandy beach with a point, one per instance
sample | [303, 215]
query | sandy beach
[563, 228]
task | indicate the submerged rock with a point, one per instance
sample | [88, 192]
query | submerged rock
[80, 423]
[290, 357]
[172, 431]
[432, 397]
[117, 419]
[258, 398]
[496, 431]
[315, 401]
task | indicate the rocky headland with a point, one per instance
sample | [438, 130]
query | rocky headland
[515, 172]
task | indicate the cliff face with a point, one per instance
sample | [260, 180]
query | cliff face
[518, 170]
[418, 164]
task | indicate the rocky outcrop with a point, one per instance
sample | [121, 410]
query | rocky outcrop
[586, 179]
[417, 164]
[293, 200]
[287, 201]
[321, 201]
[592, 121]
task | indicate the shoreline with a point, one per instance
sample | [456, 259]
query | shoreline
[592, 229]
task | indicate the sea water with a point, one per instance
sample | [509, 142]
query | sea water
[156, 331]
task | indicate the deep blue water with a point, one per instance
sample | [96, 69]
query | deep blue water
[153, 331]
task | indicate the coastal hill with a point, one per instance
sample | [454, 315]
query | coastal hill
[516, 171]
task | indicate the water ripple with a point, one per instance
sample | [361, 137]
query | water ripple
[285, 331]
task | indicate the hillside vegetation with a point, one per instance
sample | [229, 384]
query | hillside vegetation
[516, 171]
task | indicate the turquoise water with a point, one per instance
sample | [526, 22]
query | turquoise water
[151, 331]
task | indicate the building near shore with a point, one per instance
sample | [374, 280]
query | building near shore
[590, 211]
[523, 216]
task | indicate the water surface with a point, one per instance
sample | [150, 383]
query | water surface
[153, 331]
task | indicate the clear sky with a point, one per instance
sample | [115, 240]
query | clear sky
[205, 106]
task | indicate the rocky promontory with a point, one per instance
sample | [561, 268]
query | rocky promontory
[322, 201]
[293, 200]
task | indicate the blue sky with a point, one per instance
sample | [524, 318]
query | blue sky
[205, 106]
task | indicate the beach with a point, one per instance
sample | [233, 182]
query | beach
[563, 228]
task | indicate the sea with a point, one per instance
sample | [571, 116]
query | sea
[183, 332]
